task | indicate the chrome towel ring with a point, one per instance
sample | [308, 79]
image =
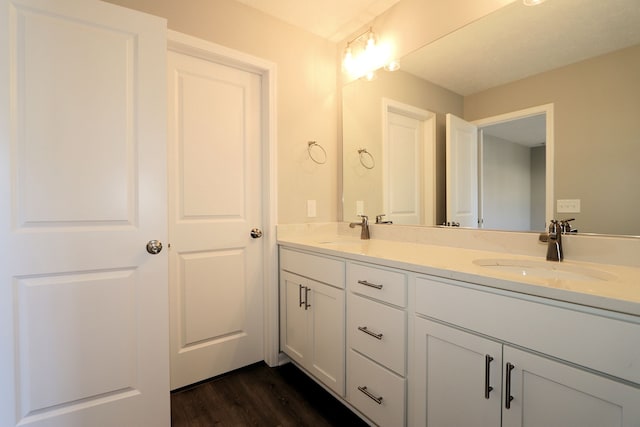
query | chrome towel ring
[366, 159]
[320, 156]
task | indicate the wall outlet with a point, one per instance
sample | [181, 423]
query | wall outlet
[359, 207]
[311, 208]
[568, 205]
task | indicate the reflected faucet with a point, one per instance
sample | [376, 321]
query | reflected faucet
[364, 234]
[554, 246]
[380, 221]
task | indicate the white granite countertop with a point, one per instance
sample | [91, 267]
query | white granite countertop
[604, 286]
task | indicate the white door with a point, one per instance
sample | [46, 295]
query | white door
[408, 164]
[457, 377]
[550, 393]
[293, 317]
[312, 329]
[462, 172]
[83, 336]
[403, 170]
[326, 333]
[216, 267]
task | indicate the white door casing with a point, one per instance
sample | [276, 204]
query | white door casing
[220, 181]
[83, 338]
[548, 111]
[462, 172]
[408, 139]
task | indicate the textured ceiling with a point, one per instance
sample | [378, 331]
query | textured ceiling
[330, 19]
[519, 41]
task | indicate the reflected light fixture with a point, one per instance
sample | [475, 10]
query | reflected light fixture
[532, 2]
[364, 55]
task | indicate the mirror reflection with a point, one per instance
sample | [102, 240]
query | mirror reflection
[585, 62]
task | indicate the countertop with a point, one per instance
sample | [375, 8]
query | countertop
[604, 286]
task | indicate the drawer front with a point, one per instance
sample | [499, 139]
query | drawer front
[378, 331]
[384, 285]
[316, 267]
[376, 392]
[587, 339]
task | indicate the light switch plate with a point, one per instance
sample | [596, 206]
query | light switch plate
[568, 206]
[311, 208]
[359, 207]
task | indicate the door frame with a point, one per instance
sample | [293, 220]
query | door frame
[547, 110]
[193, 46]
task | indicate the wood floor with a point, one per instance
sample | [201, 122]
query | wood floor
[259, 396]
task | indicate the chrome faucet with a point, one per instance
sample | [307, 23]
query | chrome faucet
[554, 242]
[364, 234]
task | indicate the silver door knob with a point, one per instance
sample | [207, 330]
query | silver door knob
[154, 247]
[256, 233]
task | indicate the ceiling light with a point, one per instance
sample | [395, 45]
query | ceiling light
[363, 56]
[532, 2]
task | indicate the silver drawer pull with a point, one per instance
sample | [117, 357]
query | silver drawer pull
[369, 284]
[368, 332]
[370, 395]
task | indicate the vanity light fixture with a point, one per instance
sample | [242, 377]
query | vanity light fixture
[532, 2]
[363, 55]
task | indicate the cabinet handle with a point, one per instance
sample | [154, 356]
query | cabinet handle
[369, 284]
[306, 298]
[508, 398]
[370, 395]
[368, 332]
[487, 370]
[300, 302]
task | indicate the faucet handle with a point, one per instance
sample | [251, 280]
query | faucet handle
[565, 226]
[365, 219]
[379, 218]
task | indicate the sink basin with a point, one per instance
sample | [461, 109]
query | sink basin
[546, 270]
[344, 244]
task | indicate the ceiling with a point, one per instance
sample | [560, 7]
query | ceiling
[330, 19]
[519, 41]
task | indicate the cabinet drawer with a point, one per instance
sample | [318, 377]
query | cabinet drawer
[587, 339]
[322, 269]
[377, 331]
[363, 377]
[384, 285]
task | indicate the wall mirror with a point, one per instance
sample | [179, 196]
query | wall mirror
[581, 56]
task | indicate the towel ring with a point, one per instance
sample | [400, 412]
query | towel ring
[321, 156]
[366, 159]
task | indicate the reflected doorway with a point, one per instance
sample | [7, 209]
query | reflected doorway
[500, 170]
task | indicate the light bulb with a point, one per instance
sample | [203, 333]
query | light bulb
[371, 42]
[347, 62]
[392, 65]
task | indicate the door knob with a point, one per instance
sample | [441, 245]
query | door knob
[256, 233]
[154, 247]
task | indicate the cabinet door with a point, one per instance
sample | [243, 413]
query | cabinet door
[549, 393]
[326, 335]
[457, 377]
[293, 317]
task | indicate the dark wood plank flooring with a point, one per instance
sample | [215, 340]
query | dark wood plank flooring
[259, 396]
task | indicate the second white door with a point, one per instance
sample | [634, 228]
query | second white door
[216, 281]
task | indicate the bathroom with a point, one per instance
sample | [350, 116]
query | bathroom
[303, 71]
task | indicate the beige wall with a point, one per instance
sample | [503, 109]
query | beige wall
[306, 92]
[597, 128]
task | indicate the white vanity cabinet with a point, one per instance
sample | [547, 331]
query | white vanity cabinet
[377, 342]
[312, 315]
[491, 359]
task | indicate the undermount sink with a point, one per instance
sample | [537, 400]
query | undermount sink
[342, 242]
[546, 270]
